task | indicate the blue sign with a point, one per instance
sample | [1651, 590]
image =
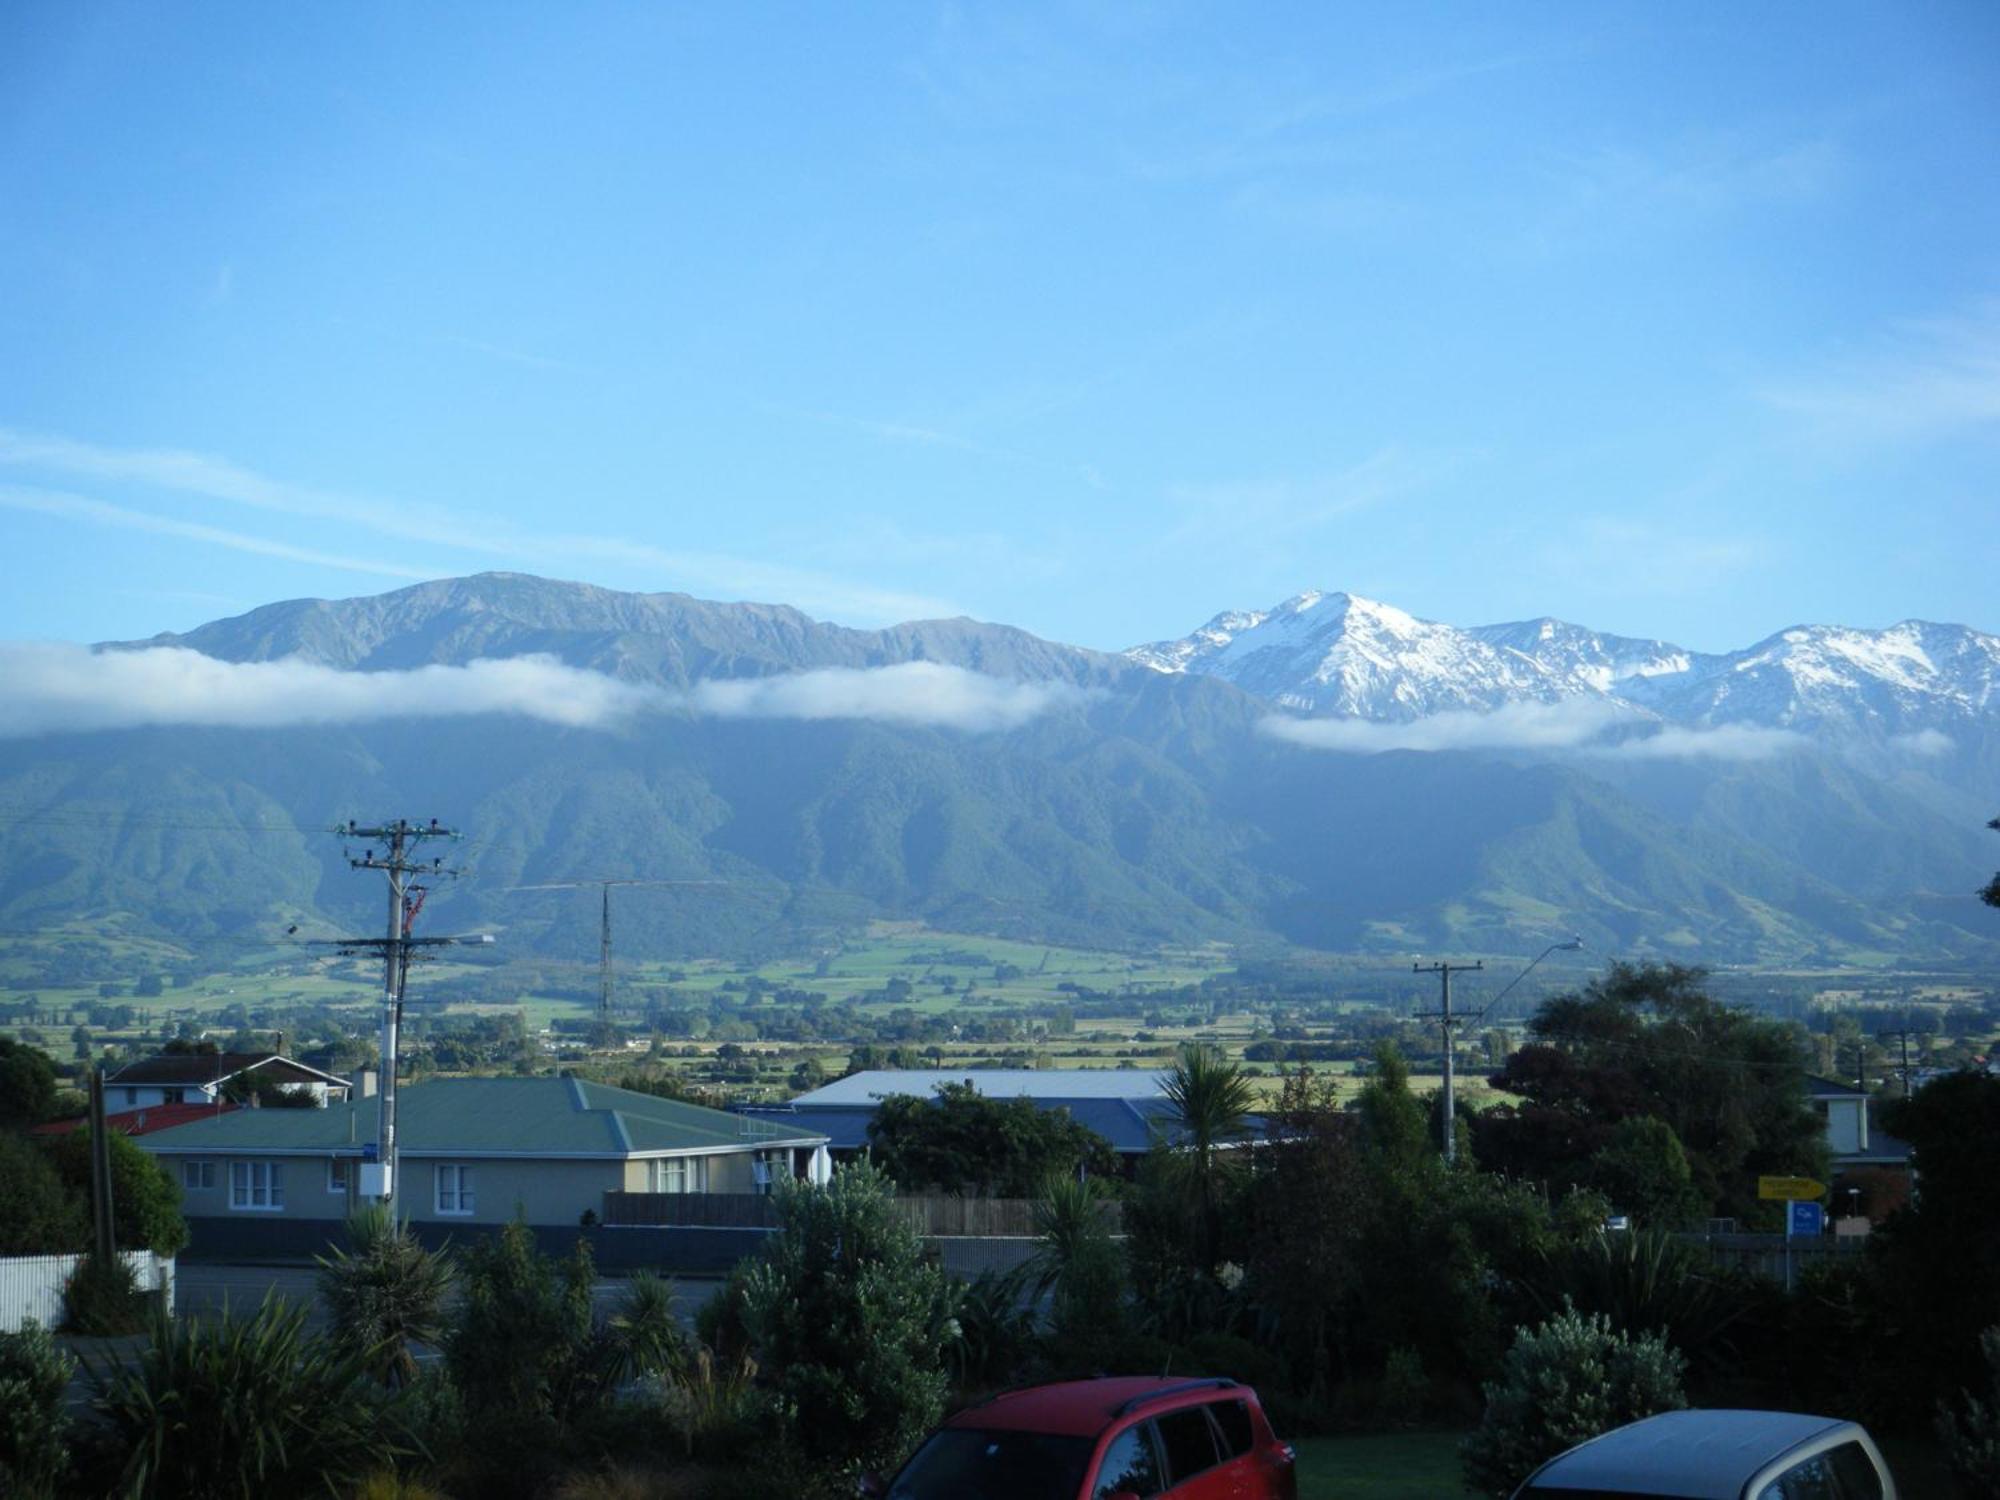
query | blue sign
[369, 1152]
[1804, 1220]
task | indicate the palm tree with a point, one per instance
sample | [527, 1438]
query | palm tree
[1212, 1099]
[384, 1293]
[1078, 1264]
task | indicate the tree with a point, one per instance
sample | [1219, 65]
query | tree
[851, 1321]
[1646, 1040]
[1949, 1235]
[27, 1085]
[1644, 1172]
[1077, 1264]
[963, 1142]
[43, 1215]
[145, 1199]
[384, 1293]
[1211, 1099]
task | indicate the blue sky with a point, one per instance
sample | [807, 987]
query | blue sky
[1681, 321]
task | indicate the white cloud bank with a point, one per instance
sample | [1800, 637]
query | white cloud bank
[60, 688]
[1578, 724]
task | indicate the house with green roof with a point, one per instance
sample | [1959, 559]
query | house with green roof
[473, 1153]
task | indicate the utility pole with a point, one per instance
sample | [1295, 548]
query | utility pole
[604, 928]
[1446, 1021]
[1902, 1036]
[399, 840]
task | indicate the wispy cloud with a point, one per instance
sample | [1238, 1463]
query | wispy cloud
[100, 513]
[1275, 508]
[1929, 379]
[481, 536]
[62, 688]
[1586, 726]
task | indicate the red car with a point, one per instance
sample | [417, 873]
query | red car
[1117, 1438]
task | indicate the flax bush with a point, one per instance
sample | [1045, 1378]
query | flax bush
[1562, 1382]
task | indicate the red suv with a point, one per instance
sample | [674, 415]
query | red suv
[1118, 1438]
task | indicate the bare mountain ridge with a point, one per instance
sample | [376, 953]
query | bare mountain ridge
[667, 638]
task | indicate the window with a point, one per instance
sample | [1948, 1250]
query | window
[1233, 1418]
[196, 1175]
[1843, 1473]
[171, 1096]
[1130, 1463]
[962, 1463]
[1189, 1441]
[257, 1185]
[339, 1172]
[766, 1167]
[454, 1189]
[677, 1174]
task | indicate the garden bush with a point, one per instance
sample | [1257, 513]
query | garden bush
[1970, 1429]
[1567, 1380]
[103, 1299]
[384, 1293]
[34, 1452]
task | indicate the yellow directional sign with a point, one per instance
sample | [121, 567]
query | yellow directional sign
[1785, 1188]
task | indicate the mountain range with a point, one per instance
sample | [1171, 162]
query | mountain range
[1330, 772]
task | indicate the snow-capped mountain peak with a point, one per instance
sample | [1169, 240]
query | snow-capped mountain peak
[1340, 654]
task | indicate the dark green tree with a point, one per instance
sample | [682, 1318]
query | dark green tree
[27, 1085]
[145, 1198]
[963, 1142]
[1648, 1041]
[1643, 1171]
[43, 1216]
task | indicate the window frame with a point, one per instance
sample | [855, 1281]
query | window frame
[692, 1171]
[339, 1174]
[243, 1195]
[197, 1175]
[1150, 1436]
[464, 1192]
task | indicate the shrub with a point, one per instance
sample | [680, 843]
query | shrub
[33, 1424]
[1405, 1389]
[1971, 1433]
[230, 1407]
[384, 1293]
[102, 1297]
[44, 1217]
[851, 1323]
[145, 1199]
[994, 1327]
[1567, 1380]
[1647, 1281]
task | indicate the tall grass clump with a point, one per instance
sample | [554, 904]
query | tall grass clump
[384, 1294]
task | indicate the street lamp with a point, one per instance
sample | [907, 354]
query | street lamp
[1568, 945]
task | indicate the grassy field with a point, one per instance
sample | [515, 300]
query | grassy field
[1381, 1466]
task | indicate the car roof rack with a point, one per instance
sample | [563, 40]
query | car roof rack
[1213, 1383]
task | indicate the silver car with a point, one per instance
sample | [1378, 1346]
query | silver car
[1721, 1455]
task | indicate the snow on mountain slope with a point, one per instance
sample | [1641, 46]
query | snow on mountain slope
[1337, 654]
[1341, 654]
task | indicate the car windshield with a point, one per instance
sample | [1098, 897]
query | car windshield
[1557, 1492]
[963, 1463]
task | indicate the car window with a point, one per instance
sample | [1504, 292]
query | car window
[1232, 1418]
[1809, 1479]
[962, 1463]
[1856, 1471]
[1130, 1463]
[1189, 1441]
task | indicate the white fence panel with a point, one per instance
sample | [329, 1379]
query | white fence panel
[31, 1286]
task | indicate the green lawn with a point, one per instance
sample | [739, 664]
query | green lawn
[1381, 1466]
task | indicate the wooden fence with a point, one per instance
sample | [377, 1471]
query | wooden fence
[975, 1218]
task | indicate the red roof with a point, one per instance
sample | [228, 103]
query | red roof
[1076, 1408]
[141, 1121]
